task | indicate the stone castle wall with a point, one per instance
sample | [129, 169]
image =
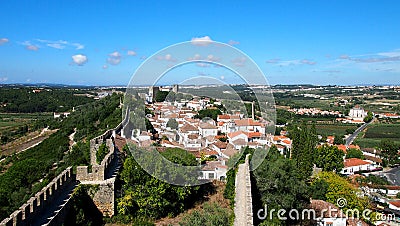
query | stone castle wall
[98, 170]
[104, 197]
[36, 204]
[243, 199]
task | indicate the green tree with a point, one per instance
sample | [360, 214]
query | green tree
[279, 184]
[389, 151]
[354, 153]
[304, 142]
[210, 113]
[172, 123]
[369, 117]
[339, 140]
[339, 189]
[161, 95]
[147, 196]
[329, 158]
[318, 189]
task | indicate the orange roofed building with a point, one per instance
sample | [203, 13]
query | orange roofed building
[354, 165]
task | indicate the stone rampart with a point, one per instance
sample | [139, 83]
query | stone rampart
[35, 205]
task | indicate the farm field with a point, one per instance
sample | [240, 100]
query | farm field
[391, 131]
[15, 125]
[333, 129]
[376, 132]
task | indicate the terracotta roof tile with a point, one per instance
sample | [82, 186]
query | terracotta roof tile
[355, 162]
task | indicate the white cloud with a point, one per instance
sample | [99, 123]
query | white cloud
[232, 42]
[115, 54]
[166, 57]
[195, 57]
[79, 59]
[3, 41]
[114, 58]
[394, 53]
[60, 44]
[32, 47]
[273, 61]
[131, 53]
[78, 46]
[29, 46]
[105, 66]
[203, 64]
[239, 61]
[290, 62]
[305, 61]
[3, 79]
[56, 45]
[201, 41]
[213, 58]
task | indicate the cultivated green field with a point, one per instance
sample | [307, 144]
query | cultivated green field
[376, 132]
[15, 125]
[333, 129]
[391, 131]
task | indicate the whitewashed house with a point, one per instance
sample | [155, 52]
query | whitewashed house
[353, 165]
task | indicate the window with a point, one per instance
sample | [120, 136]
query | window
[211, 176]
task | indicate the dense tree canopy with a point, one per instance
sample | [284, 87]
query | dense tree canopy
[369, 117]
[172, 123]
[339, 188]
[47, 100]
[354, 153]
[160, 96]
[389, 151]
[329, 158]
[147, 196]
[304, 142]
[210, 113]
[279, 186]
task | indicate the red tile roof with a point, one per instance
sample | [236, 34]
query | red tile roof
[224, 117]
[236, 133]
[355, 162]
[188, 127]
[395, 203]
[207, 126]
[247, 122]
[208, 151]
[221, 145]
[254, 134]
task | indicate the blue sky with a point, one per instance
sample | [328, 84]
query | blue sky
[103, 42]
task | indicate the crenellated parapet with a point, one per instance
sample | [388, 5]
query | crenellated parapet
[99, 171]
[102, 174]
[35, 205]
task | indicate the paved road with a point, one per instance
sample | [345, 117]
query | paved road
[353, 136]
[393, 175]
